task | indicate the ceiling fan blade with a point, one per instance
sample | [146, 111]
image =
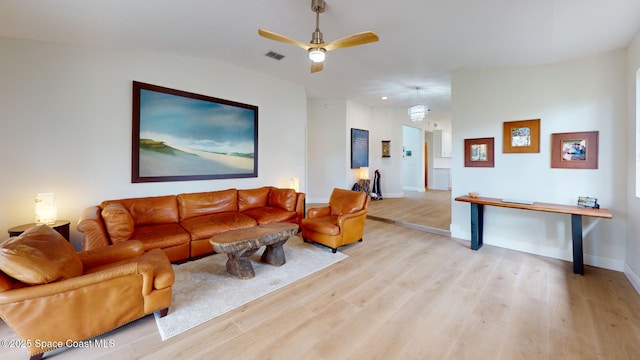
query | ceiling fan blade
[352, 40]
[316, 66]
[281, 38]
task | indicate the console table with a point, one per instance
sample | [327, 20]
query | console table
[576, 212]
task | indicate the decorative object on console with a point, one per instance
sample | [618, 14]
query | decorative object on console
[590, 202]
[419, 111]
[479, 152]
[386, 148]
[359, 148]
[521, 136]
[194, 137]
[575, 150]
[46, 210]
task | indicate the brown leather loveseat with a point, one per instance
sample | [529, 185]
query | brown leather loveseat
[182, 225]
[52, 296]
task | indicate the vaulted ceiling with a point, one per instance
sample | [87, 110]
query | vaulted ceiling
[421, 41]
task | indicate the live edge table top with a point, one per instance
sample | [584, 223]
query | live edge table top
[539, 206]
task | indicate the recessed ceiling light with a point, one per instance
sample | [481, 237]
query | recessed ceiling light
[383, 98]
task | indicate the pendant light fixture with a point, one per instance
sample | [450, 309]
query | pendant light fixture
[419, 111]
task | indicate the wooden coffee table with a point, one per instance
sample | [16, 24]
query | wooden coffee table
[242, 243]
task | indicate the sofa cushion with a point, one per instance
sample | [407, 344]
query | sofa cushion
[270, 214]
[118, 221]
[150, 210]
[39, 256]
[211, 202]
[204, 227]
[324, 225]
[284, 199]
[346, 201]
[161, 236]
[252, 198]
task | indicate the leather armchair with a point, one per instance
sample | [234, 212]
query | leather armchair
[340, 223]
[52, 296]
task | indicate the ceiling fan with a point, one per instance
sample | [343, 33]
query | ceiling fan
[317, 47]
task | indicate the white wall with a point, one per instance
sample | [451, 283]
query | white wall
[632, 266]
[413, 165]
[329, 142]
[65, 117]
[583, 95]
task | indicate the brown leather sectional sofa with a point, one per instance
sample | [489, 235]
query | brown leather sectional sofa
[182, 225]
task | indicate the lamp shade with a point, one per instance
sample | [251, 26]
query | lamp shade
[364, 173]
[46, 210]
[294, 183]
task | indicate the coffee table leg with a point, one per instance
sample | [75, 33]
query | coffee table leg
[274, 254]
[239, 264]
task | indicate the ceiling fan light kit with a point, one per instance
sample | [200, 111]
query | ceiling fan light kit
[317, 54]
[317, 48]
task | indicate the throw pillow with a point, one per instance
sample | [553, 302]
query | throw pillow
[39, 256]
[118, 221]
[252, 198]
[283, 198]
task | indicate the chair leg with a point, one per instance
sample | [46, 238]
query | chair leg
[36, 356]
[360, 240]
[334, 250]
[164, 312]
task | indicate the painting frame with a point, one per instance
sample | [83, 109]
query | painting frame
[484, 154]
[527, 140]
[386, 148]
[182, 136]
[359, 148]
[574, 150]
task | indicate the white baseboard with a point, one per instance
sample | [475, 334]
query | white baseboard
[633, 277]
[411, 188]
[551, 252]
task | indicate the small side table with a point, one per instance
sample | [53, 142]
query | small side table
[61, 226]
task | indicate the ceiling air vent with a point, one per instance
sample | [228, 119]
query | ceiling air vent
[274, 55]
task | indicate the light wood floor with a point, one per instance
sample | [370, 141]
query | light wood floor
[429, 209]
[409, 294]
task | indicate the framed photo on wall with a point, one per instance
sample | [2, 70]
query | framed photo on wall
[575, 150]
[359, 148]
[386, 148]
[479, 152]
[521, 136]
[180, 136]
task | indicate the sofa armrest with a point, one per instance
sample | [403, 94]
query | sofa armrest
[92, 226]
[319, 212]
[300, 207]
[109, 254]
[63, 286]
[354, 215]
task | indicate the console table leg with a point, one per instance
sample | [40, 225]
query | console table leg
[576, 235]
[477, 223]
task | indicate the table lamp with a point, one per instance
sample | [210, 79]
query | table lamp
[45, 209]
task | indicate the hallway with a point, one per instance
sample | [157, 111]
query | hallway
[421, 210]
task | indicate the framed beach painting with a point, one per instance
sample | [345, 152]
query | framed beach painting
[180, 136]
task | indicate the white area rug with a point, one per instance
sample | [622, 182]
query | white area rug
[204, 290]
